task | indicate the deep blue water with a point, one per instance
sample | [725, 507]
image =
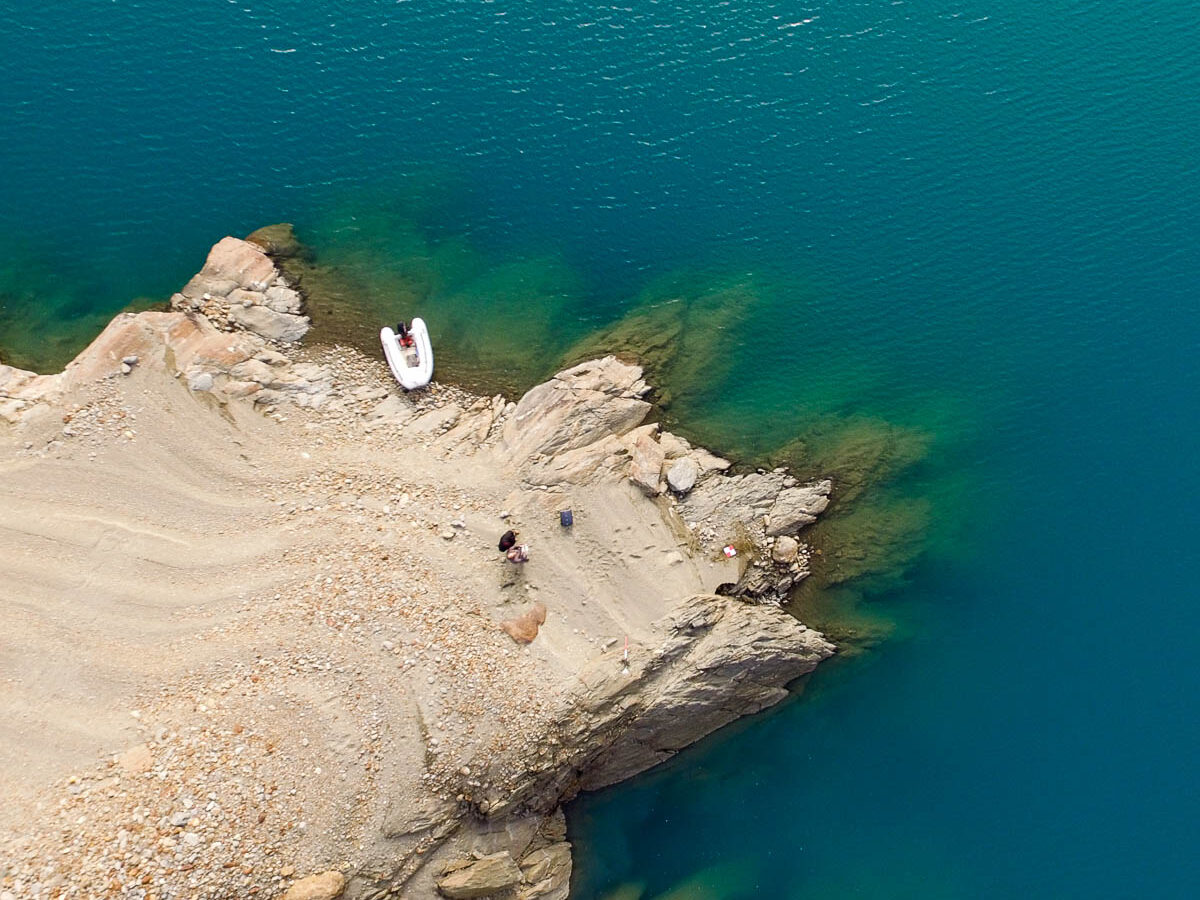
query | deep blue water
[976, 222]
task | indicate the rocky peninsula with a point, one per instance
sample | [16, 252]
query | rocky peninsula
[259, 641]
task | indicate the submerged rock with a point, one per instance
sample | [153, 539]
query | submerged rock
[278, 241]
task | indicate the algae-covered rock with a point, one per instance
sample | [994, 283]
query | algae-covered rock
[279, 242]
[679, 331]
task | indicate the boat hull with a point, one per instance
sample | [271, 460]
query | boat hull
[412, 366]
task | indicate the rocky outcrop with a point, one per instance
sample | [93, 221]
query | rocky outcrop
[584, 426]
[240, 288]
[210, 361]
[621, 720]
[576, 409]
[21, 389]
[682, 475]
[475, 878]
[218, 339]
[645, 466]
[755, 511]
[798, 506]
[496, 826]
[698, 680]
[547, 872]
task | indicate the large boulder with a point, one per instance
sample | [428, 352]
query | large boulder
[682, 475]
[232, 261]
[785, 550]
[240, 287]
[524, 628]
[480, 877]
[645, 466]
[796, 507]
[548, 872]
[577, 408]
[263, 320]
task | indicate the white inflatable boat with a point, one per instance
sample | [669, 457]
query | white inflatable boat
[413, 364]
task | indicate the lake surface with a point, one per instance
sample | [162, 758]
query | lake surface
[951, 255]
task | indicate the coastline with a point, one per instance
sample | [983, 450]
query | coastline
[317, 663]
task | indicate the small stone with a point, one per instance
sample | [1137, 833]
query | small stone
[126, 368]
[448, 535]
[130, 361]
[201, 381]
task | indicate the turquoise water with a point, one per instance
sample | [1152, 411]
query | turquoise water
[954, 248]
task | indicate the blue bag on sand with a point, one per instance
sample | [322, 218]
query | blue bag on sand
[566, 519]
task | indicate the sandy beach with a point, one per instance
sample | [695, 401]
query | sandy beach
[249, 642]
